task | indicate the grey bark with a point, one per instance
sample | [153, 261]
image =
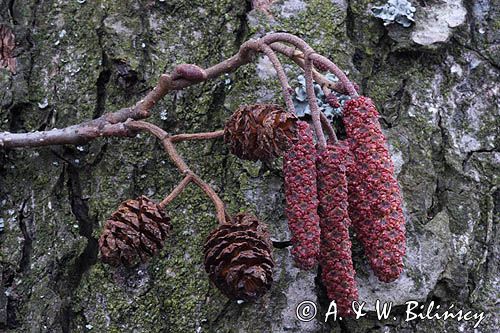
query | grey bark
[436, 85]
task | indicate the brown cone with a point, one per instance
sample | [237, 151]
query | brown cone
[238, 258]
[134, 232]
[260, 131]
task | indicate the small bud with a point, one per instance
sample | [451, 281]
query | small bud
[332, 100]
[189, 72]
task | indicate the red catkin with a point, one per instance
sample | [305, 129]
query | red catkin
[335, 251]
[320, 66]
[375, 204]
[299, 168]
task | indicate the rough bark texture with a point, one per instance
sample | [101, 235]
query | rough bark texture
[435, 84]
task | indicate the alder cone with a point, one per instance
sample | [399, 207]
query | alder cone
[238, 258]
[337, 271]
[375, 202]
[134, 232]
[299, 169]
[260, 131]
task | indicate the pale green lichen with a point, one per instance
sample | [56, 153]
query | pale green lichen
[395, 11]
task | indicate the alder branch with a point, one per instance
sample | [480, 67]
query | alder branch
[127, 121]
[76, 134]
[103, 126]
[310, 53]
[182, 77]
[298, 58]
[346, 83]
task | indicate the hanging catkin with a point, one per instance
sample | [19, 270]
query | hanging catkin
[299, 168]
[375, 205]
[335, 252]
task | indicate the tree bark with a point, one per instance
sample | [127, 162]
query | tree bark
[437, 91]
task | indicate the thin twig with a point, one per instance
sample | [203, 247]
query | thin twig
[285, 87]
[332, 137]
[313, 105]
[337, 72]
[287, 38]
[176, 191]
[309, 52]
[196, 136]
[164, 137]
[180, 164]
[298, 58]
[209, 191]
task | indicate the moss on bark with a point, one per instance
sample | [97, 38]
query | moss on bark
[438, 108]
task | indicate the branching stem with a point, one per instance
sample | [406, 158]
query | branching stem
[180, 164]
[127, 121]
[112, 124]
[298, 58]
[176, 191]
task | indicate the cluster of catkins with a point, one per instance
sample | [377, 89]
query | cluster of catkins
[327, 190]
[349, 182]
